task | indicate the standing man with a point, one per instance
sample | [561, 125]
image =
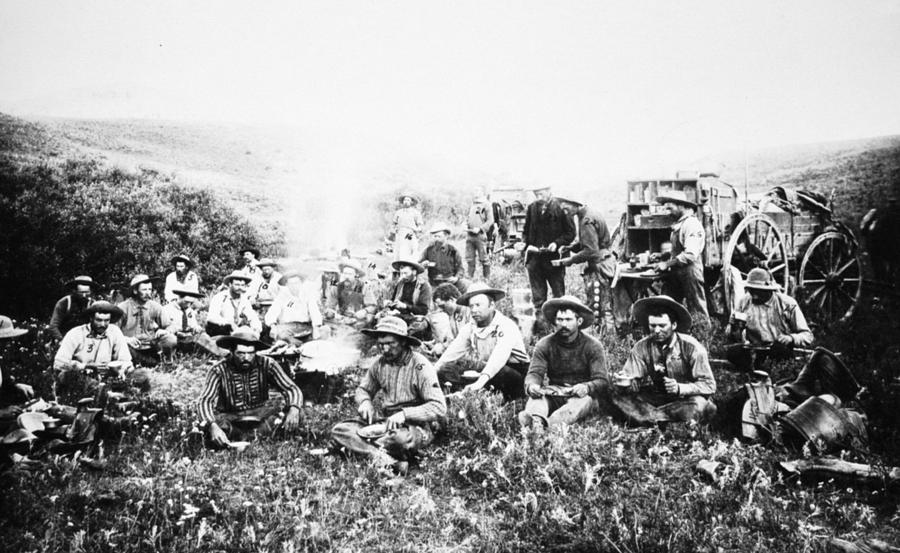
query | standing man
[183, 277]
[492, 341]
[480, 221]
[230, 309]
[240, 383]
[547, 228]
[442, 259]
[570, 362]
[592, 247]
[667, 377]
[683, 272]
[144, 324]
[69, 311]
[406, 227]
[413, 405]
[295, 314]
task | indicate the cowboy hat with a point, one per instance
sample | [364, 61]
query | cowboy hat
[440, 227]
[184, 258]
[139, 279]
[7, 330]
[540, 187]
[572, 203]
[241, 337]
[410, 196]
[185, 292]
[237, 275]
[266, 262]
[353, 265]
[254, 251]
[105, 307]
[675, 196]
[394, 326]
[82, 279]
[401, 262]
[551, 307]
[289, 275]
[477, 288]
[643, 306]
[760, 279]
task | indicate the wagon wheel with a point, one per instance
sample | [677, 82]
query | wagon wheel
[830, 277]
[755, 242]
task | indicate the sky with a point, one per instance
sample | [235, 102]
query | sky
[531, 90]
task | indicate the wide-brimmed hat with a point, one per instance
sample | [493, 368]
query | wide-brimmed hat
[237, 275]
[477, 288]
[440, 227]
[82, 279]
[401, 262]
[7, 330]
[254, 251]
[675, 196]
[139, 279]
[289, 275]
[266, 262]
[572, 203]
[105, 307]
[182, 257]
[552, 306]
[539, 187]
[414, 199]
[645, 305]
[360, 272]
[760, 279]
[394, 326]
[189, 293]
[241, 337]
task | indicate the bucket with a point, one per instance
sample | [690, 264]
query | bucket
[819, 422]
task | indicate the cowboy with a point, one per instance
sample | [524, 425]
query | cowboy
[568, 370]
[492, 341]
[250, 260]
[765, 318]
[447, 318]
[441, 258]
[144, 324]
[349, 298]
[480, 222]
[683, 272]
[413, 405]
[547, 228]
[240, 383]
[409, 297]
[183, 323]
[263, 290]
[667, 377]
[294, 315]
[69, 311]
[183, 277]
[592, 247]
[406, 228]
[230, 309]
[12, 393]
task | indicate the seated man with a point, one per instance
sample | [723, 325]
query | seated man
[412, 400]
[448, 317]
[409, 296]
[183, 277]
[572, 363]
[294, 316]
[263, 291]
[144, 325]
[230, 309]
[240, 384]
[767, 320]
[349, 300]
[91, 348]
[69, 310]
[491, 341]
[11, 393]
[667, 377]
[183, 323]
[442, 259]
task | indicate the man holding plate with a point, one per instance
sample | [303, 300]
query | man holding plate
[568, 368]
[412, 400]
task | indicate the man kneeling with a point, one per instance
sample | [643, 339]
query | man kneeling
[571, 362]
[241, 381]
[667, 377]
[412, 399]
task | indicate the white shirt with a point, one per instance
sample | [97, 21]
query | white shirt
[224, 310]
[288, 308]
[191, 283]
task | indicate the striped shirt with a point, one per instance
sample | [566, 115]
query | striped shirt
[82, 345]
[410, 386]
[495, 345]
[236, 390]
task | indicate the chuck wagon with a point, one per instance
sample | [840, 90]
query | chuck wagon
[791, 233]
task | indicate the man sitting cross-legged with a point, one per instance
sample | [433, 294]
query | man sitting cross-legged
[412, 402]
[568, 368]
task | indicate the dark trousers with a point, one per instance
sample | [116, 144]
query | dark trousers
[685, 285]
[476, 247]
[214, 329]
[540, 273]
[509, 380]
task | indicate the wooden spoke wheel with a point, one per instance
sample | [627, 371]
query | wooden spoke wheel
[755, 242]
[830, 278]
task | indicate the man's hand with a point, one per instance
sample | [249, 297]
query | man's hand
[453, 279]
[671, 385]
[399, 305]
[533, 249]
[367, 412]
[785, 340]
[292, 419]
[26, 390]
[552, 247]
[396, 420]
[534, 390]
[662, 266]
[478, 384]
[134, 342]
[10, 412]
[580, 390]
[217, 435]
